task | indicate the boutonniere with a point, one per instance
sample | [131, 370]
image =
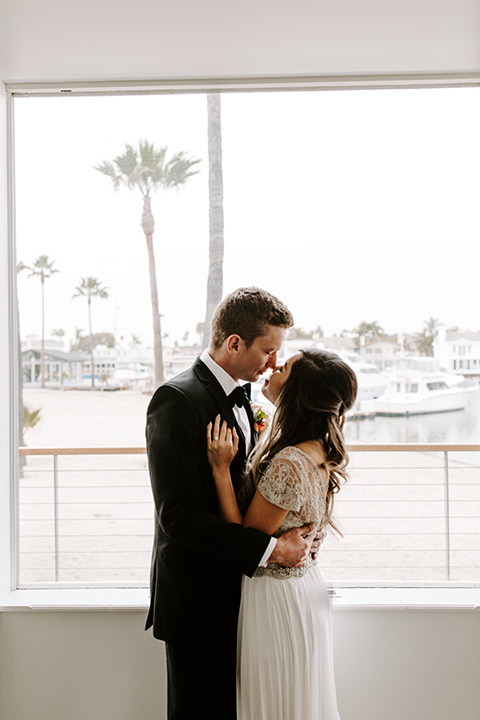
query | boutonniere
[260, 418]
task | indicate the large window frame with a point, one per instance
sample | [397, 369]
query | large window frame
[409, 595]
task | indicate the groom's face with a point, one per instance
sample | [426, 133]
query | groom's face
[251, 362]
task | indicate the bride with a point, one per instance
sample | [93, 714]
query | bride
[285, 650]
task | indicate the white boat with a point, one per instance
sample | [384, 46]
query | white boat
[418, 386]
[372, 381]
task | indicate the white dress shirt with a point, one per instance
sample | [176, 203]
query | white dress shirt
[228, 385]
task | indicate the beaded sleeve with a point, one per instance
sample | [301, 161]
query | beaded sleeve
[293, 482]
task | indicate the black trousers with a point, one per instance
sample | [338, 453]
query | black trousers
[201, 681]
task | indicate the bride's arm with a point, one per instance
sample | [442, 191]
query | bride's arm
[267, 516]
[222, 445]
[264, 515]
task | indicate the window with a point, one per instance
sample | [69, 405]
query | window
[439, 385]
[311, 182]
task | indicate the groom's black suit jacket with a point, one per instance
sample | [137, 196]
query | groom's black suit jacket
[198, 559]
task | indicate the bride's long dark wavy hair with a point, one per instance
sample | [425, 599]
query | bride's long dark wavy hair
[311, 406]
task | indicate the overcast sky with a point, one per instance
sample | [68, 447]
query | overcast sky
[349, 206]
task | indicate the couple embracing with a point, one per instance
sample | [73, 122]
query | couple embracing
[236, 593]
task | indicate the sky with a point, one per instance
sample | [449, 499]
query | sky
[348, 205]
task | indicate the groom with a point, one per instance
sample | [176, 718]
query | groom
[198, 559]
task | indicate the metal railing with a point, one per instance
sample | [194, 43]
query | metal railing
[386, 511]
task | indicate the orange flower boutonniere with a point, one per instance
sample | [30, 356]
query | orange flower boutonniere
[260, 418]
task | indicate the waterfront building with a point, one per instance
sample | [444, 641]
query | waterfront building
[381, 352]
[458, 351]
[61, 368]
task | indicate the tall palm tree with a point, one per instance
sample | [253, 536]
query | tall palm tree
[147, 170]
[42, 268]
[215, 191]
[90, 287]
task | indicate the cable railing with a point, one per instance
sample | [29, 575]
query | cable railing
[410, 513]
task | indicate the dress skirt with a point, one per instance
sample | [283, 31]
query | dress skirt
[285, 650]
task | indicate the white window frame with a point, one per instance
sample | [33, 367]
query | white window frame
[414, 595]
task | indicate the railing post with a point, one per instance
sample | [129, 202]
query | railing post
[55, 516]
[447, 514]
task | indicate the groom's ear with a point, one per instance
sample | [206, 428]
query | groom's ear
[233, 344]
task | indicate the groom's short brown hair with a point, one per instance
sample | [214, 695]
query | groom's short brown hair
[246, 312]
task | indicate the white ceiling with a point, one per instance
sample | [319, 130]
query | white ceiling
[86, 40]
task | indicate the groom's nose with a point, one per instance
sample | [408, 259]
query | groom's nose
[272, 361]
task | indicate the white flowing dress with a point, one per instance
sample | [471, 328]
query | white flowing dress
[285, 648]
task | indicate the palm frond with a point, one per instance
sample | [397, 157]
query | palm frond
[179, 168]
[151, 158]
[90, 287]
[127, 163]
[146, 168]
[107, 169]
[42, 266]
[30, 417]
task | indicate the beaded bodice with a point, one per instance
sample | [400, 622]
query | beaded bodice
[293, 481]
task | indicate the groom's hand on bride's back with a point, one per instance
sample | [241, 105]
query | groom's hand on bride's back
[294, 546]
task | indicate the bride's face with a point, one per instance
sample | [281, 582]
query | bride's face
[273, 385]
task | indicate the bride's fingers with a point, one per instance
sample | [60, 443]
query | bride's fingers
[235, 440]
[218, 434]
[224, 433]
[216, 428]
[229, 438]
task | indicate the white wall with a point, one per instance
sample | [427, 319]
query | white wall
[80, 666]
[47, 40]
[390, 665]
[101, 666]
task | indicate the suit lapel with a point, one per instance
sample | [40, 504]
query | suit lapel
[215, 389]
[254, 433]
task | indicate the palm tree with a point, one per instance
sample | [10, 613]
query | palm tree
[147, 170]
[42, 268]
[432, 326]
[215, 191]
[367, 330]
[424, 343]
[90, 287]
[424, 340]
[30, 417]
